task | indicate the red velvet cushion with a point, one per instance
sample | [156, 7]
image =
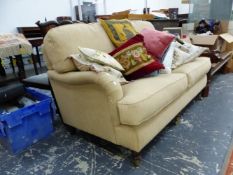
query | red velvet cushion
[133, 56]
[156, 42]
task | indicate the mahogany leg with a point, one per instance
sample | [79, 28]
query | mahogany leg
[38, 55]
[2, 70]
[205, 91]
[19, 62]
[12, 64]
[136, 158]
[70, 129]
[34, 64]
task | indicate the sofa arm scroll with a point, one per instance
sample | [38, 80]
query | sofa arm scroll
[107, 82]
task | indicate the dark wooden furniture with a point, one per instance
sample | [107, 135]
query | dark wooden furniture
[218, 63]
[46, 26]
[63, 18]
[219, 60]
[34, 36]
[159, 24]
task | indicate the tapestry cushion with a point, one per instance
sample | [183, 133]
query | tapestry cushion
[134, 58]
[119, 31]
[82, 63]
[100, 57]
[157, 42]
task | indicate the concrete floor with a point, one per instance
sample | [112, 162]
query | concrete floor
[195, 146]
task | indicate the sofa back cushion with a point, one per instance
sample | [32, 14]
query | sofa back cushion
[61, 42]
[140, 25]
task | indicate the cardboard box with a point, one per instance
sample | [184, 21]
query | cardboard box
[222, 42]
[205, 40]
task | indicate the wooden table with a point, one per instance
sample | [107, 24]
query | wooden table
[218, 63]
[36, 42]
[14, 45]
[159, 24]
[35, 37]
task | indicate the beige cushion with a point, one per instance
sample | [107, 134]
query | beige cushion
[100, 57]
[195, 70]
[186, 53]
[146, 97]
[84, 64]
[140, 25]
[60, 42]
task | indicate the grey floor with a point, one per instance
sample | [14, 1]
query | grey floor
[195, 146]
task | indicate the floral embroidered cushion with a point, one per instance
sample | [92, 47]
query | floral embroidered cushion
[119, 31]
[134, 58]
[157, 42]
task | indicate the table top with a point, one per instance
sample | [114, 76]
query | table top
[35, 42]
[14, 44]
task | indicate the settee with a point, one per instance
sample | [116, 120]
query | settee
[129, 115]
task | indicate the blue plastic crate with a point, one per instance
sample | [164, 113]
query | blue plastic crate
[26, 126]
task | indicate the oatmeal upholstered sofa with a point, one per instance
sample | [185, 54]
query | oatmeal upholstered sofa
[129, 115]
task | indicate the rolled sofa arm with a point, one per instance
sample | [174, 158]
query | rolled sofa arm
[107, 82]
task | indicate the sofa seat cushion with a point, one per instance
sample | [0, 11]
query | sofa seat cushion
[195, 70]
[144, 98]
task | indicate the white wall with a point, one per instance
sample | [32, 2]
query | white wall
[118, 5]
[16, 13]
[164, 4]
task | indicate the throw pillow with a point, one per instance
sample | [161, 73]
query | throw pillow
[185, 53]
[195, 51]
[100, 57]
[157, 42]
[179, 57]
[119, 31]
[134, 58]
[83, 64]
[167, 59]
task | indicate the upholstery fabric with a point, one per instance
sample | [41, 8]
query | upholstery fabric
[136, 137]
[62, 41]
[156, 42]
[135, 107]
[105, 84]
[140, 25]
[119, 31]
[195, 70]
[132, 55]
[98, 104]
